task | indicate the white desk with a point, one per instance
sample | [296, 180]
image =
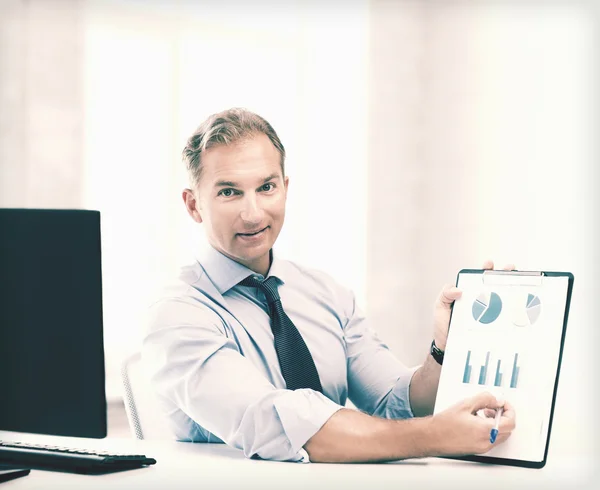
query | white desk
[210, 466]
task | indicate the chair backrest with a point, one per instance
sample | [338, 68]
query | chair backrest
[145, 420]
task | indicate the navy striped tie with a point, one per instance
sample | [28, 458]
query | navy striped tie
[297, 365]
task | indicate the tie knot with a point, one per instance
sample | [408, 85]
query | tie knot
[268, 287]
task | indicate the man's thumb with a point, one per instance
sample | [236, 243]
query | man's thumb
[484, 399]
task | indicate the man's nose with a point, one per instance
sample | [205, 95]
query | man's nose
[252, 212]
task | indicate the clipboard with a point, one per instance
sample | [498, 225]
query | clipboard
[506, 336]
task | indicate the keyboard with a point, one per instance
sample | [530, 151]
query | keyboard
[37, 456]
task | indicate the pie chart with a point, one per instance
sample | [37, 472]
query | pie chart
[527, 310]
[487, 307]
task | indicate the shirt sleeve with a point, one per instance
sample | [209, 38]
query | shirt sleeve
[378, 382]
[195, 365]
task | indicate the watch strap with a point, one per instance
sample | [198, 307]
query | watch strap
[436, 353]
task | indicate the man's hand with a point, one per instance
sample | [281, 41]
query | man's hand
[350, 436]
[443, 307]
[461, 431]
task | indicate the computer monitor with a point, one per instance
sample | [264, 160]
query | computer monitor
[51, 338]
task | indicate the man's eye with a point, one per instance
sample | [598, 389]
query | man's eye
[268, 187]
[227, 192]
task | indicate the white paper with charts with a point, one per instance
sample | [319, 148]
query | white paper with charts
[505, 337]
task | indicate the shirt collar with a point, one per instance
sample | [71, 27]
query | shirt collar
[225, 273]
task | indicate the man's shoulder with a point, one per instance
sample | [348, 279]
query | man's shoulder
[188, 289]
[183, 304]
[318, 280]
[183, 282]
[310, 273]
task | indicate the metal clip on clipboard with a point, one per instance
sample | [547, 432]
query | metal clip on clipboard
[512, 278]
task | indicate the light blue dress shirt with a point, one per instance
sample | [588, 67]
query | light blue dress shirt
[212, 363]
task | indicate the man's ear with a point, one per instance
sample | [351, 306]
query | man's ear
[191, 204]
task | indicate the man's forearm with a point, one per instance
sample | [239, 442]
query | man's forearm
[351, 436]
[423, 387]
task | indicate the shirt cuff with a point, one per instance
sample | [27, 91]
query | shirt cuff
[398, 405]
[302, 414]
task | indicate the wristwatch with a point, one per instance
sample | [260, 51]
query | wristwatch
[436, 353]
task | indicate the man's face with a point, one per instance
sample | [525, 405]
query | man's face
[241, 200]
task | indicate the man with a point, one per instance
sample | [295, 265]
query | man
[262, 353]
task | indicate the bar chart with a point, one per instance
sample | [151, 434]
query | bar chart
[483, 370]
[498, 379]
[515, 373]
[467, 373]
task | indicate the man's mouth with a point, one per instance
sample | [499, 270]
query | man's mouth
[254, 233]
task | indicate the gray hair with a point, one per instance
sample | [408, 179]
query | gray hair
[226, 128]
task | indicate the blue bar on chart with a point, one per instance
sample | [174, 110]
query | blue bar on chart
[467, 374]
[498, 379]
[514, 379]
[483, 370]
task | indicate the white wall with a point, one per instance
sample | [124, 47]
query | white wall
[41, 107]
[153, 73]
[482, 145]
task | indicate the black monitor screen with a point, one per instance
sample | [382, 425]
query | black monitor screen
[51, 342]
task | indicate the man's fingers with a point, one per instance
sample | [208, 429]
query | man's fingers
[506, 424]
[482, 400]
[489, 413]
[489, 264]
[508, 419]
[449, 294]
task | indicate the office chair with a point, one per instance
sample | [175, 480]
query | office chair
[145, 420]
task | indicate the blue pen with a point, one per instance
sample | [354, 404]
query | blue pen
[494, 432]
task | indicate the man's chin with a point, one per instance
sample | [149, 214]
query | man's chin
[245, 256]
[248, 249]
